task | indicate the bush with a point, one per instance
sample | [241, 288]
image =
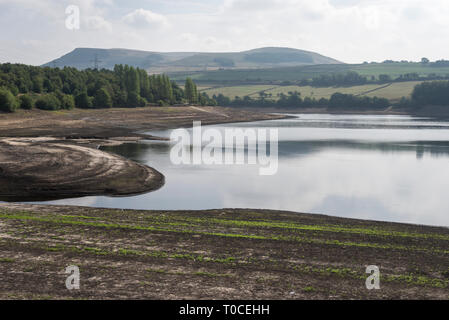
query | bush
[83, 101]
[8, 103]
[68, 102]
[142, 102]
[133, 100]
[102, 99]
[26, 102]
[48, 102]
[120, 99]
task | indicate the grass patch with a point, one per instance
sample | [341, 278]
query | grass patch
[240, 223]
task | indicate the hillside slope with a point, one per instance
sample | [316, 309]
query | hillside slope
[82, 58]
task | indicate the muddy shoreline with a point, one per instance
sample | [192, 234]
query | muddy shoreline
[262, 254]
[118, 124]
[48, 169]
[54, 155]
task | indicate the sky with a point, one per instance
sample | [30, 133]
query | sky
[353, 31]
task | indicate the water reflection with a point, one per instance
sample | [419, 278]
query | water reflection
[142, 152]
[391, 168]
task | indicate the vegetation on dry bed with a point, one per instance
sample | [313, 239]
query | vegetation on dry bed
[216, 254]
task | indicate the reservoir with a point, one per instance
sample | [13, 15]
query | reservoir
[376, 167]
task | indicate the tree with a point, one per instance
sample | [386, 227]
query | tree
[133, 83]
[83, 101]
[38, 84]
[48, 102]
[126, 86]
[120, 99]
[133, 100]
[431, 93]
[384, 78]
[425, 61]
[102, 99]
[191, 92]
[8, 103]
[26, 102]
[67, 102]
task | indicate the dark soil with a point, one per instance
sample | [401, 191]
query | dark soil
[216, 254]
[39, 169]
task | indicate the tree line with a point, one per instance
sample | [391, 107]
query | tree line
[432, 93]
[23, 86]
[353, 78]
[294, 100]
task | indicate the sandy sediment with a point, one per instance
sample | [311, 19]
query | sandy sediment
[46, 169]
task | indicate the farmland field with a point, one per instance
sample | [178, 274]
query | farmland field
[278, 75]
[240, 91]
[395, 91]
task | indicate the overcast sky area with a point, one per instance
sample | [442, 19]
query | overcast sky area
[352, 31]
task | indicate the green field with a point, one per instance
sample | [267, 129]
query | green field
[396, 69]
[395, 91]
[278, 75]
[240, 91]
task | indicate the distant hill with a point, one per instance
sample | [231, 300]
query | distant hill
[83, 58]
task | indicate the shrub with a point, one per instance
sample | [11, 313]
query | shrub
[48, 102]
[8, 103]
[102, 99]
[26, 102]
[83, 101]
[143, 102]
[68, 102]
[120, 99]
[133, 100]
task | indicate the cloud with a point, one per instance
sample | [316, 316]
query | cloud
[145, 18]
[98, 23]
[347, 30]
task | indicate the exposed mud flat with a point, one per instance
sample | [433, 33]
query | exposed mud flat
[113, 123]
[53, 155]
[46, 169]
[215, 254]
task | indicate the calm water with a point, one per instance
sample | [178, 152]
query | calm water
[392, 168]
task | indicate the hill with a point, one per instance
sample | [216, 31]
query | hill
[157, 62]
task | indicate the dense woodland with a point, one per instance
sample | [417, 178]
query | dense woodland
[26, 87]
[23, 86]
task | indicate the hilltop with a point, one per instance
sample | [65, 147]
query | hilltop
[270, 57]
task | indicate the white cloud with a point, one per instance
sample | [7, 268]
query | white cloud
[98, 23]
[347, 30]
[145, 18]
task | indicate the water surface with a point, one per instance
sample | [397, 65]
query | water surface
[391, 168]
